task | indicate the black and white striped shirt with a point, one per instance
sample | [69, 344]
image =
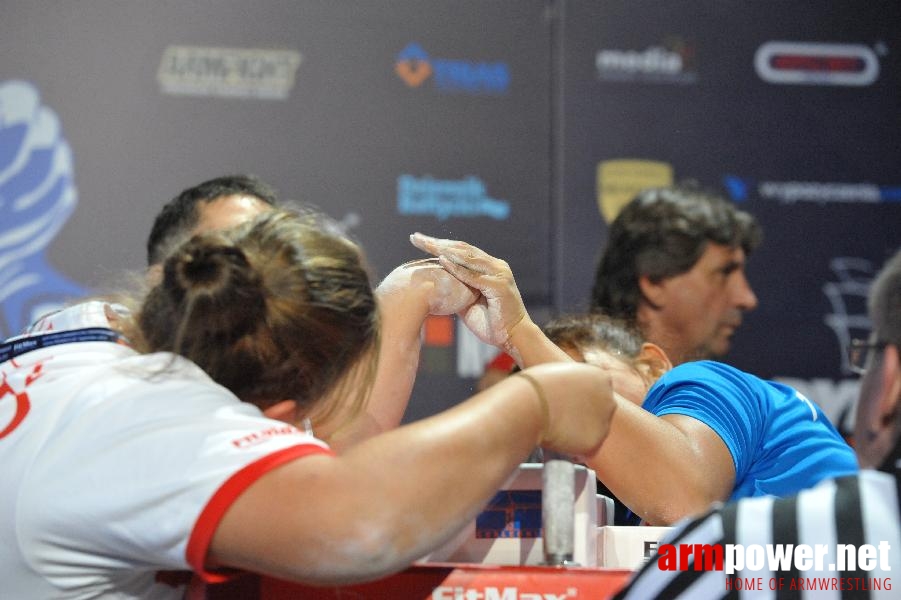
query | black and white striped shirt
[856, 510]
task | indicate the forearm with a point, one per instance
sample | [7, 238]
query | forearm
[408, 493]
[398, 362]
[406, 298]
[657, 470]
[402, 311]
[447, 447]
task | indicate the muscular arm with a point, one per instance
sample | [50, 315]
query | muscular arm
[393, 498]
[663, 468]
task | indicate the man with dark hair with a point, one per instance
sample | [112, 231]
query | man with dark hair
[674, 266]
[856, 515]
[406, 296]
[216, 204]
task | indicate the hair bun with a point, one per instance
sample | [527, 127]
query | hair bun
[216, 286]
[202, 264]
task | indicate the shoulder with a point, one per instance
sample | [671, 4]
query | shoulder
[90, 313]
[708, 370]
[703, 379]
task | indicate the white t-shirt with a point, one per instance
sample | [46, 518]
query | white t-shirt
[115, 466]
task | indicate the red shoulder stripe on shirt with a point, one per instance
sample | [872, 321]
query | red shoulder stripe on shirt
[234, 486]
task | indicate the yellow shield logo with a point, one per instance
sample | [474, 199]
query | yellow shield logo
[618, 181]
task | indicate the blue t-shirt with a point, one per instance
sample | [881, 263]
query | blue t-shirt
[780, 441]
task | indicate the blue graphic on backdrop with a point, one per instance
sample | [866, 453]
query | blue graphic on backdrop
[820, 192]
[415, 67]
[37, 195]
[446, 198]
[737, 187]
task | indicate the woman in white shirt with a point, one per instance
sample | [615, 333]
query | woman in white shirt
[131, 452]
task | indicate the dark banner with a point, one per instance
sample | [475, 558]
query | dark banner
[791, 110]
[518, 125]
[392, 116]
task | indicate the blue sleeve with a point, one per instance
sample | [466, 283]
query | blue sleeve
[723, 398]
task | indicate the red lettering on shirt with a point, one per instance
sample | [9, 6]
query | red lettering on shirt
[258, 437]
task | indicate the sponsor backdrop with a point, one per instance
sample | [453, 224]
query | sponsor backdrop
[790, 109]
[519, 125]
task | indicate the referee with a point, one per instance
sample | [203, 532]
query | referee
[840, 539]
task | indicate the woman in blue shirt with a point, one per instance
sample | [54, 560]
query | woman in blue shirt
[682, 437]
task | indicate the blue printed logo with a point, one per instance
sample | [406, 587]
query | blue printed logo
[820, 192]
[415, 68]
[465, 198]
[37, 195]
[511, 514]
[737, 187]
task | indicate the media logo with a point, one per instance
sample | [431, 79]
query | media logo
[811, 63]
[415, 67]
[37, 195]
[446, 198]
[228, 72]
[669, 62]
[617, 182]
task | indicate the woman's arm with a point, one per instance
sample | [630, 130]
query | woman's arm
[498, 316]
[409, 294]
[393, 498]
[663, 468]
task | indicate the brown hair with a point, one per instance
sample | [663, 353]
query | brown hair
[661, 233]
[583, 332]
[280, 308]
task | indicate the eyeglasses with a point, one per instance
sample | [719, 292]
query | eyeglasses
[859, 353]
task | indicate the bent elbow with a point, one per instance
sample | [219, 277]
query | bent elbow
[671, 511]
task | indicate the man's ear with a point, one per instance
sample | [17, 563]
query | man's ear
[890, 375]
[652, 291]
[286, 411]
[653, 361]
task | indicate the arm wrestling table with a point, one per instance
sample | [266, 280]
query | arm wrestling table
[557, 578]
[443, 581]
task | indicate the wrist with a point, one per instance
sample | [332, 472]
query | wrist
[518, 337]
